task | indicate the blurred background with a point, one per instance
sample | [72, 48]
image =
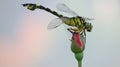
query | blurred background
[25, 40]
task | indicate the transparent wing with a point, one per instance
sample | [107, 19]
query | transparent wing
[55, 23]
[64, 8]
[87, 19]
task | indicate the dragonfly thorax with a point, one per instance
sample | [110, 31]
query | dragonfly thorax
[74, 21]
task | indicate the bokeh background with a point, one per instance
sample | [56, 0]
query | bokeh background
[25, 40]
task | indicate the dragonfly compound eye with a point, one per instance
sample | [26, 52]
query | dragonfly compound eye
[89, 27]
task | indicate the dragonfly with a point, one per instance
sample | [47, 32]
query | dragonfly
[77, 23]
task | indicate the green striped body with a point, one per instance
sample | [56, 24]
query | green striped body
[75, 21]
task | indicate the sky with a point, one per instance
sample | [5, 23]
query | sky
[25, 40]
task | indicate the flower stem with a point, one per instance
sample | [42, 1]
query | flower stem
[79, 63]
[79, 57]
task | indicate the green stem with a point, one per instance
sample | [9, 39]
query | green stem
[79, 57]
[79, 63]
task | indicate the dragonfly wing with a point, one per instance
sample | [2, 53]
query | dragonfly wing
[64, 8]
[87, 19]
[55, 23]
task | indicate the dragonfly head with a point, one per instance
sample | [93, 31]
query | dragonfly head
[89, 27]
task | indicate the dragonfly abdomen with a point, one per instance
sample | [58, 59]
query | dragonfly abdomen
[32, 7]
[49, 10]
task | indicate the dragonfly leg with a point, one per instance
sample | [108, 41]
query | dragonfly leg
[74, 29]
[70, 30]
